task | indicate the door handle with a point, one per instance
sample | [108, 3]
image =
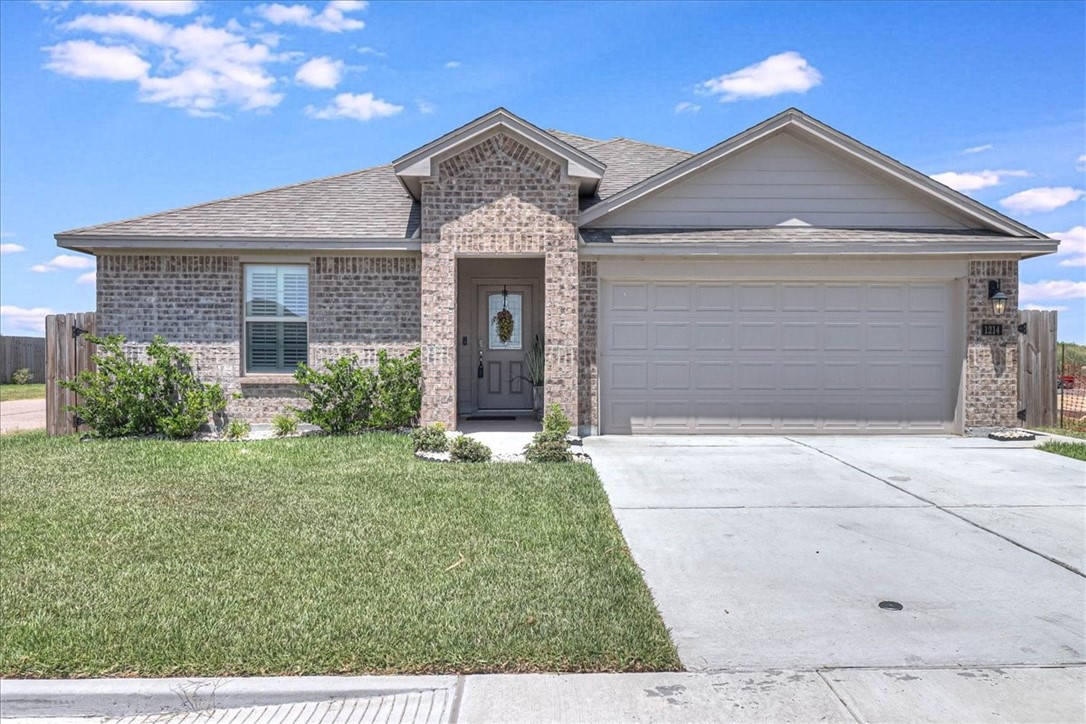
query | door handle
[480, 359]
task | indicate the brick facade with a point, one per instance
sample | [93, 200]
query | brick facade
[358, 305]
[589, 290]
[991, 362]
[498, 197]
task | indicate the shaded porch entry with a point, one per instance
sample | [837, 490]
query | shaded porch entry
[492, 378]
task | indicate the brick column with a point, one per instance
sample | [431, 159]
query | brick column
[438, 335]
[991, 362]
[561, 330]
[588, 292]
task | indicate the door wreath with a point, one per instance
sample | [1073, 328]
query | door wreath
[504, 321]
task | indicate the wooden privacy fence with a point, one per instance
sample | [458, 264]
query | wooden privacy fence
[67, 353]
[19, 352]
[1037, 368]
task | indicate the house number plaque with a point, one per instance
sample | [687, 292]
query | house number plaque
[991, 330]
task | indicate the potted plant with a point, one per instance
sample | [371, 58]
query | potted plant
[534, 363]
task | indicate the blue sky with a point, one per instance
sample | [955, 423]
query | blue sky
[113, 109]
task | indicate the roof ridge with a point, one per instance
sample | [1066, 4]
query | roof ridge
[91, 227]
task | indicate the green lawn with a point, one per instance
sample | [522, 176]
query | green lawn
[1065, 431]
[1076, 450]
[22, 392]
[309, 556]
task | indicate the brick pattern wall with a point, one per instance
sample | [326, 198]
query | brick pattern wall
[589, 287]
[991, 363]
[358, 305]
[498, 197]
[362, 304]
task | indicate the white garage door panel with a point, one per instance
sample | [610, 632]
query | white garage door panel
[715, 357]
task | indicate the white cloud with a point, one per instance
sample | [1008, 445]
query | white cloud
[6, 234]
[88, 59]
[322, 72]
[1035, 292]
[9, 247]
[451, 64]
[360, 107]
[153, 7]
[332, 19]
[1045, 198]
[64, 262]
[1080, 162]
[55, 6]
[974, 180]
[88, 278]
[21, 319]
[426, 108]
[202, 68]
[782, 73]
[367, 50]
[979, 149]
[1047, 307]
[687, 107]
[145, 29]
[1072, 244]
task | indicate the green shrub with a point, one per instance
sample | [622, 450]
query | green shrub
[21, 376]
[340, 396]
[431, 438]
[556, 421]
[397, 395]
[466, 449]
[237, 430]
[548, 451]
[551, 444]
[345, 397]
[283, 425]
[124, 397]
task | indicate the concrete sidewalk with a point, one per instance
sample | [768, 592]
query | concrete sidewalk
[833, 695]
[22, 415]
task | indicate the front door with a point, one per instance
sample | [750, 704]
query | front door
[499, 367]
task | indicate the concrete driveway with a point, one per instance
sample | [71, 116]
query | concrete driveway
[22, 415]
[775, 552]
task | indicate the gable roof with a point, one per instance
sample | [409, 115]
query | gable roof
[416, 165]
[630, 162]
[362, 205]
[371, 208]
[808, 128]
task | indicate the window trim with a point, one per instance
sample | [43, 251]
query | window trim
[246, 318]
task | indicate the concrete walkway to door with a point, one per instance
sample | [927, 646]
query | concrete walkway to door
[775, 552]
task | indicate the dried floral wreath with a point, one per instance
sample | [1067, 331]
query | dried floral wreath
[504, 320]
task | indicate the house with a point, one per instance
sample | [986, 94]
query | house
[789, 279]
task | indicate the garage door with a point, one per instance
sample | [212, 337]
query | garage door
[710, 357]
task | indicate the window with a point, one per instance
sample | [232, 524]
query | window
[276, 317]
[513, 301]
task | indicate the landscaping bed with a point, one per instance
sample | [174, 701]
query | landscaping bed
[314, 555]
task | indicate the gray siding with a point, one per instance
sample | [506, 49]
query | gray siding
[780, 179]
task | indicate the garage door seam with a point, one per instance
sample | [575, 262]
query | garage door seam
[946, 510]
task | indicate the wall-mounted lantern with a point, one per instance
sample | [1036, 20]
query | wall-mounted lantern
[996, 297]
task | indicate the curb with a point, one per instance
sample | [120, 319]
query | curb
[45, 698]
